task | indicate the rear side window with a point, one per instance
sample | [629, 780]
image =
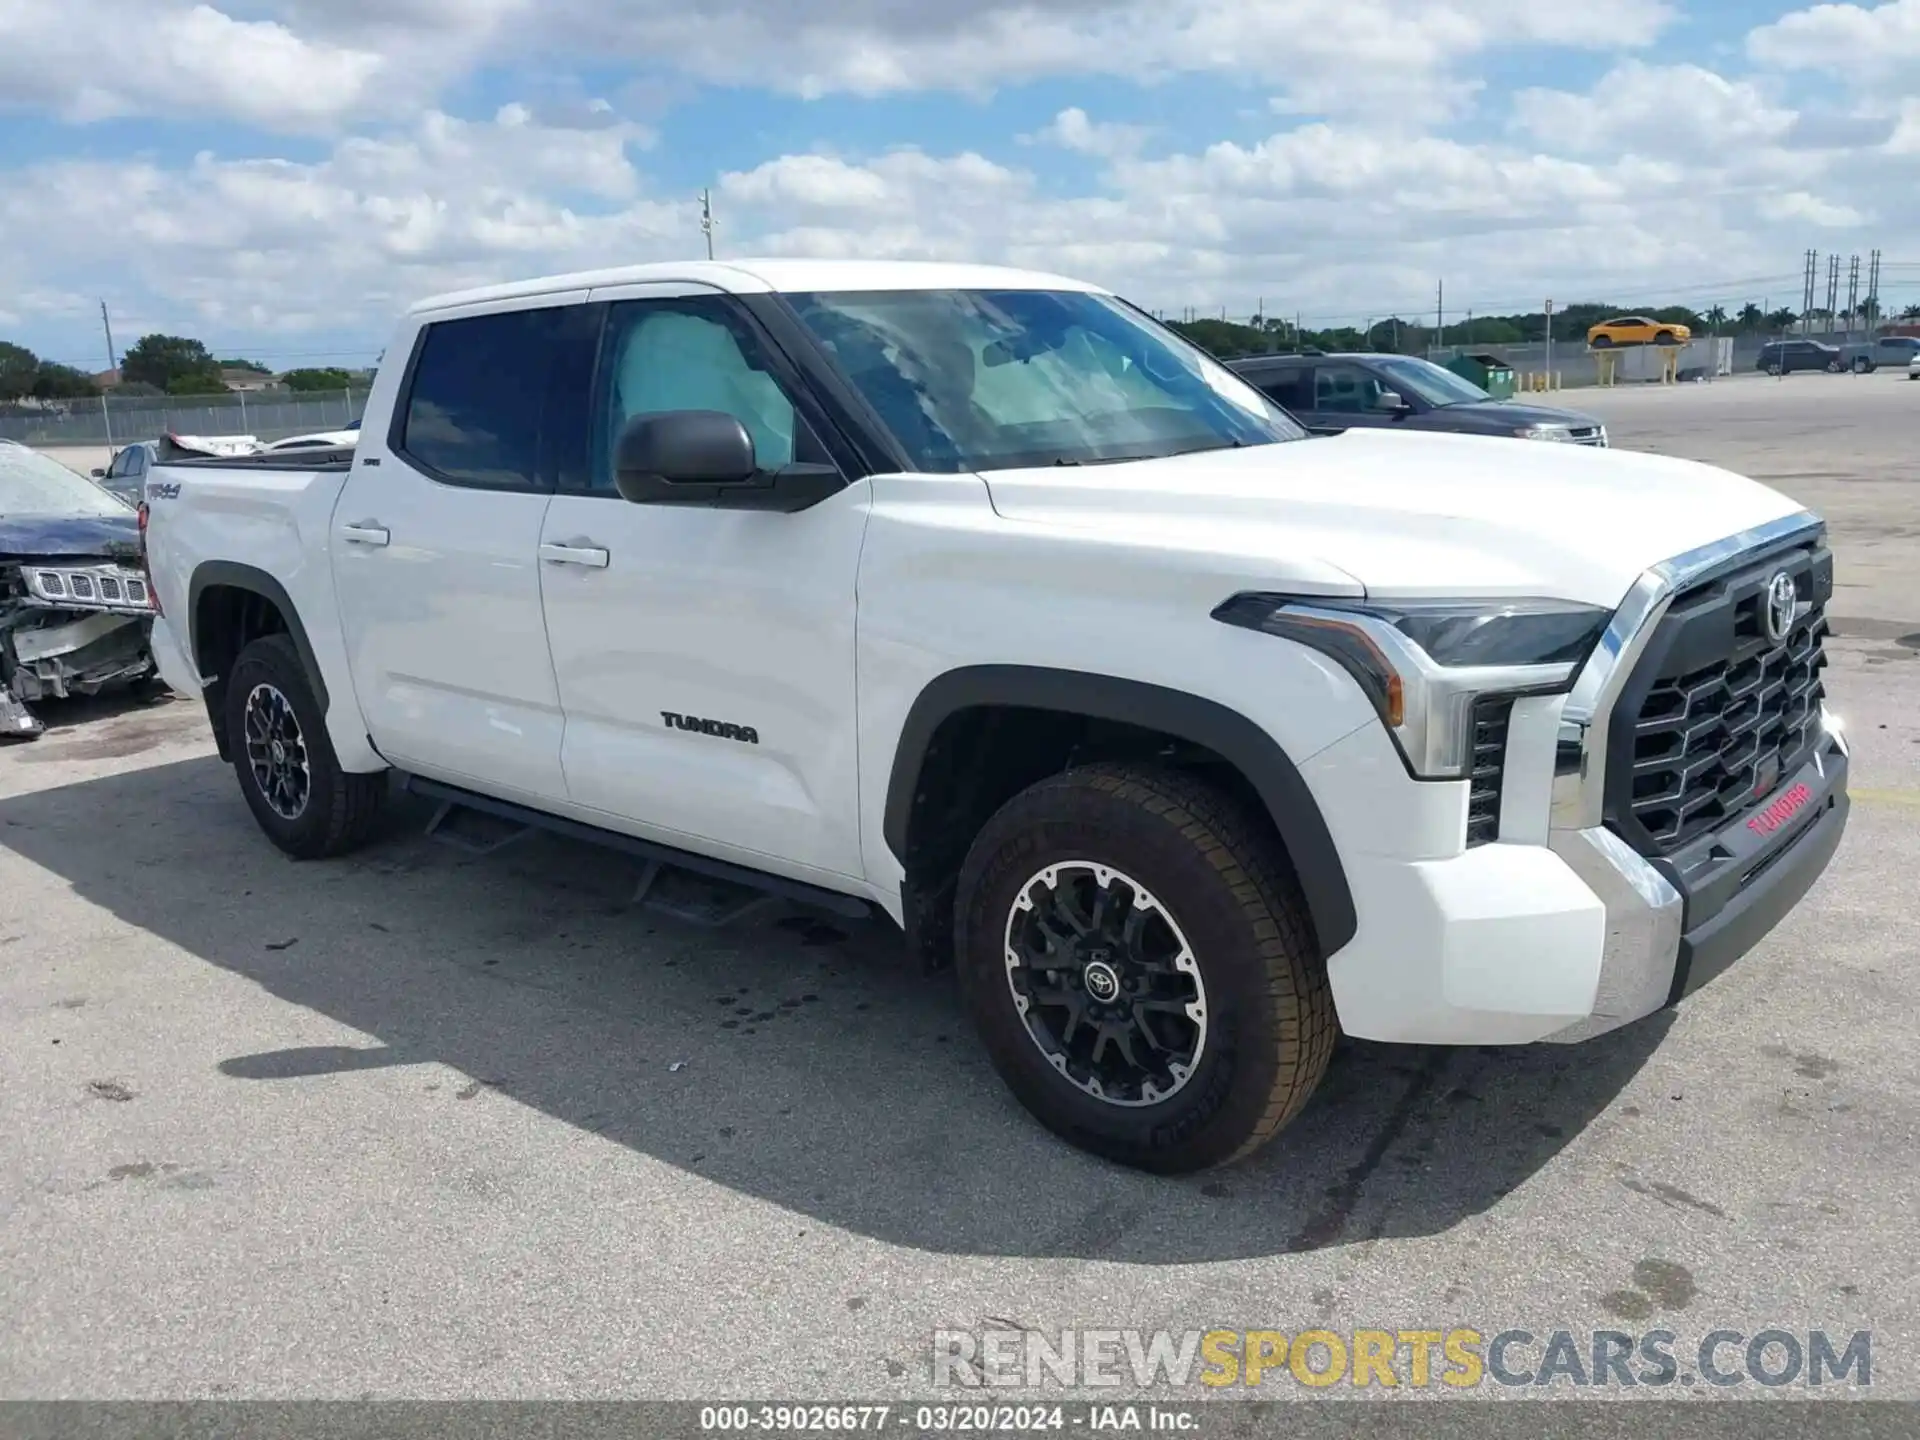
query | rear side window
[478, 389]
[1289, 389]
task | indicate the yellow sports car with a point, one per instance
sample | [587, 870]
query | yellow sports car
[1637, 330]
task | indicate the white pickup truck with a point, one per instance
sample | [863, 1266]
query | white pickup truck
[976, 596]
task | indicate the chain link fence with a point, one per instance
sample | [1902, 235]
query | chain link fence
[115, 420]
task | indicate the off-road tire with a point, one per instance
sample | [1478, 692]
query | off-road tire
[342, 808]
[1234, 895]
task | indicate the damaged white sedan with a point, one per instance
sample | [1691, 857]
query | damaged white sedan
[76, 612]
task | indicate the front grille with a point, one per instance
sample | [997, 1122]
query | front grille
[1730, 712]
[1490, 716]
[1588, 435]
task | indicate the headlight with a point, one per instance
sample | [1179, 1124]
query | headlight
[1423, 663]
[1545, 432]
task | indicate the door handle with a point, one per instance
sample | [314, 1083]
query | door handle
[365, 533]
[591, 556]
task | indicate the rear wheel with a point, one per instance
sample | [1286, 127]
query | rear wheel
[1665, 337]
[292, 780]
[1862, 365]
[1600, 342]
[1136, 956]
[1834, 367]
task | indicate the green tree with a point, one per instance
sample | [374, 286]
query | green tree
[253, 367]
[327, 379]
[163, 359]
[1782, 320]
[197, 382]
[1750, 318]
[18, 368]
[61, 382]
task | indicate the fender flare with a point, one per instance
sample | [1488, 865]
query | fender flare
[1229, 734]
[250, 577]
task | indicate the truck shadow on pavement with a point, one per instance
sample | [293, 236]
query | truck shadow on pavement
[790, 1057]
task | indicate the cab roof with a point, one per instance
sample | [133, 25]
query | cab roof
[761, 277]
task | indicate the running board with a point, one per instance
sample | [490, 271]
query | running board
[453, 799]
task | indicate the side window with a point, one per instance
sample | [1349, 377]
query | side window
[474, 406]
[1344, 390]
[1289, 389]
[137, 461]
[691, 353]
[119, 465]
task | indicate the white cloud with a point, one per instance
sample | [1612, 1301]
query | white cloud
[275, 245]
[1799, 205]
[310, 64]
[1654, 109]
[1072, 130]
[1858, 43]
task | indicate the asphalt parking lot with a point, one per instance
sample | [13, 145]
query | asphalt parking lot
[423, 1123]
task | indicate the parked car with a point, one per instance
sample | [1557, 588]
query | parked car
[319, 440]
[979, 598]
[1331, 393]
[1867, 356]
[1783, 357]
[126, 475]
[75, 610]
[1637, 330]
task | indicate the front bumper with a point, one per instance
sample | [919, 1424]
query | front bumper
[1563, 930]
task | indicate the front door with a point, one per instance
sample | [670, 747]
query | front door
[435, 540]
[1345, 395]
[705, 655]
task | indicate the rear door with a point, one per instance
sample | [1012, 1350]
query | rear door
[435, 542]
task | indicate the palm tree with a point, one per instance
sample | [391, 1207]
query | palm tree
[1715, 318]
[1912, 312]
[1751, 317]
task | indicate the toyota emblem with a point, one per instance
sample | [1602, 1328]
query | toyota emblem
[1782, 607]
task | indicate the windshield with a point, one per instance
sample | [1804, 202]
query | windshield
[31, 484]
[997, 379]
[1427, 381]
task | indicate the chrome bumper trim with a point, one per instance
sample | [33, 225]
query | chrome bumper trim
[1580, 767]
[1644, 914]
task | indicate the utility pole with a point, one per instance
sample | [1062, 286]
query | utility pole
[1853, 293]
[113, 360]
[1439, 318]
[707, 221]
[1807, 281]
[1833, 288]
[1549, 342]
[1873, 291]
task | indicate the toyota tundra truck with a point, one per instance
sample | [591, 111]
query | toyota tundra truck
[978, 598]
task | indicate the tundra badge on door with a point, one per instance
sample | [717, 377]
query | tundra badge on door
[719, 729]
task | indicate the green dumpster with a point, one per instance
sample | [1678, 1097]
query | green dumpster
[1489, 372]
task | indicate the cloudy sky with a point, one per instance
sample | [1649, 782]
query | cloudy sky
[279, 177]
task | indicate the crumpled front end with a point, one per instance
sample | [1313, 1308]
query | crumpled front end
[68, 627]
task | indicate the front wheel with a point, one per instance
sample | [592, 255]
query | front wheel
[292, 780]
[1863, 366]
[1834, 367]
[1665, 337]
[1600, 342]
[1137, 958]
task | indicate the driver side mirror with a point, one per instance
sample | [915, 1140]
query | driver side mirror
[1391, 402]
[98, 473]
[706, 457]
[667, 456]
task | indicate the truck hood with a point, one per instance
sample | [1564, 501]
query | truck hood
[64, 537]
[1401, 515]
